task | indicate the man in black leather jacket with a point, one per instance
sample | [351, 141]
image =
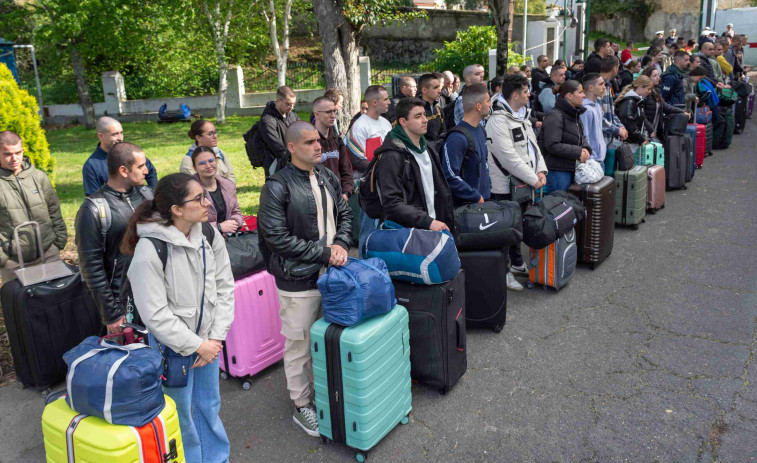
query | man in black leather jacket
[101, 262]
[306, 224]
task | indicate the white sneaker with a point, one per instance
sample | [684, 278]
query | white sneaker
[523, 269]
[306, 418]
[512, 283]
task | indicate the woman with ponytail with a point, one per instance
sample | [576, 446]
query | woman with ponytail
[655, 108]
[629, 107]
[187, 303]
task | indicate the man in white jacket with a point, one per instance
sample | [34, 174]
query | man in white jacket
[513, 152]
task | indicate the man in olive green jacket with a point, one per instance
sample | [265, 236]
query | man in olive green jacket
[26, 194]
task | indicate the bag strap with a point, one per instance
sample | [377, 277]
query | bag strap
[202, 300]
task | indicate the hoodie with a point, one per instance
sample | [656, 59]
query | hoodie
[224, 166]
[592, 121]
[273, 132]
[168, 300]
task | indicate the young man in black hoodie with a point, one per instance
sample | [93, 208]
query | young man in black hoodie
[602, 48]
[411, 183]
[277, 116]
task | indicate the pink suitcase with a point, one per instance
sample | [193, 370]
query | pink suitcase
[656, 188]
[254, 341]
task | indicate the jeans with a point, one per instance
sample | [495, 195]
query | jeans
[557, 180]
[198, 404]
[367, 226]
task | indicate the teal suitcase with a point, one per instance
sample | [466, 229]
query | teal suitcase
[362, 379]
[650, 154]
[610, 162]
[631, 196]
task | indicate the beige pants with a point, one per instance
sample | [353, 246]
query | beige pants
[297, 316]
[8, 271]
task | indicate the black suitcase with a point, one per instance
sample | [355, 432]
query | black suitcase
[675, 161]
[740, 110]
[44, 321]
[437, 331]
[485, 288]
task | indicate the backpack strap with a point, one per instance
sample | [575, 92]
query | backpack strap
[101, 209]
[208, 231]
[471, 149]
[146, 192]
[161, 247]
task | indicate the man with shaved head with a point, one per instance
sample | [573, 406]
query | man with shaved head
[408, 87]
[472, 74]
[26, 194]
[95, 170]
[333, 152]
[447, 80]
[302, 243]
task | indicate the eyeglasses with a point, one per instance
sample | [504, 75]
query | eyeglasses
[211, 134]
[331, 112]
[199, 198]
[209, 161]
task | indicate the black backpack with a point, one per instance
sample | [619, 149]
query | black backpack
[126, 298]
[254, 146]
[367, 192]
[552, 217]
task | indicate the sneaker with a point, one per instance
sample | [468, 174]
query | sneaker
[512, 283]
[522, 268]
[307, 419]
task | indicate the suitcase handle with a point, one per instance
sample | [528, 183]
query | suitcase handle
[38, 235]
[459, 328]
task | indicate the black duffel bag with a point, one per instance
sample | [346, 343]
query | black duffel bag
[624, 157]
[676, 124]
[552, 217]
[488, 225]
[244, 254]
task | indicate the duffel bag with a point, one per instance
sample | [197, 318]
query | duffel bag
[120, 384]
[421, 256]
[624, 157]
[589, 172]
[676, 124]
[356, 291]
[552, 217]
[244, 254]
[703, 115]
[489, 225]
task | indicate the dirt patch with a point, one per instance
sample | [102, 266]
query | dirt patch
[719, 427]
[7, 373]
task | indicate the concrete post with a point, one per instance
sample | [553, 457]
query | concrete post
[235, 89]
[492, 63]
[365, 73]
[114, 92]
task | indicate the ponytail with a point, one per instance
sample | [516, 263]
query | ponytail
[143, 214]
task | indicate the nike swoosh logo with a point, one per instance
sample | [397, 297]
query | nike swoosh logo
[483, 227]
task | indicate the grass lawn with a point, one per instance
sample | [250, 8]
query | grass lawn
[164, 144]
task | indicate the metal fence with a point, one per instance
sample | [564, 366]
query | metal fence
[382, 71]
[299, 76]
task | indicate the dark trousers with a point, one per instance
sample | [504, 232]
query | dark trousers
[516, 258]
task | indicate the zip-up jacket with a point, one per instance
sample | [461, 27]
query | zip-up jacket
[562, 137]
[102, 264]
[334, 155]
[24, 197]
[630, 110]
[671, 86]
[273, 132]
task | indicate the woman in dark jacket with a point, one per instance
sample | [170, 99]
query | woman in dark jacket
[562, 137]
[656, 110]
[629, 107]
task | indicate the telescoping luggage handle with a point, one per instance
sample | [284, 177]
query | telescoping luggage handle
[37, 273]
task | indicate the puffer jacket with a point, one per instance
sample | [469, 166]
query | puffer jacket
[507, 139]
[630, 111]
[103, 265]
[224, 166]
[562, 137]
[168, 300]
[288, 224]
[28, 196]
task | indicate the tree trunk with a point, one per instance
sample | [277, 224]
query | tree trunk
[219, 25]
[282, 68]
[340, 55]
[222, 87]
[502, 15]
[82, 87]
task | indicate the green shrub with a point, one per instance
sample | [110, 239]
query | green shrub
[19, 112]
[470, 46]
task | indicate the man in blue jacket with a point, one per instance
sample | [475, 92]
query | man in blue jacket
[95, 170]
[672, 90]
[464, 156]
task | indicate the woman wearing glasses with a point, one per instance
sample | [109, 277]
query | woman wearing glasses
[186, 301]
[204, 134]
[223, 206]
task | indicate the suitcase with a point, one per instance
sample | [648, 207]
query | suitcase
[739, 116]
[595, 235]
[675, 162]
[701, 144]
[610, 162]
[254, 341]
[71, 437]
[362, 379]
[485, 288]
[652, 153]
[656, 187]
[691, 145]
[749, 105]
[44, 321]
[437, 331]
[631, 196]
[553, 266]
[708, 128]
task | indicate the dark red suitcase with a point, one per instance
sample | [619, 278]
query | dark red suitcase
[596, 232]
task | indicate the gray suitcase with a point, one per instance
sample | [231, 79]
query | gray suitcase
[631, 196]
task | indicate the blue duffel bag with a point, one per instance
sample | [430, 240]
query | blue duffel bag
[120, 384]
[421, 256]
[357, 291]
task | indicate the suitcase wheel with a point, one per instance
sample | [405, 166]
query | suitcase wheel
[643, 220]
[530, 285]
[45, 392]
[442, 391]
[406, 419]
[224, 375]
[361, 456]
[636, 226]
[663, 206]
[593, 267]
[246, 385]
[652, 211]
[324, 440]
[498, 328]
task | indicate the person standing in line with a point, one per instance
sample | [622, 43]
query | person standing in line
[277, 116]
[204, 134]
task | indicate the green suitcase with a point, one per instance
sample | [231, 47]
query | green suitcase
[362, 379]
[650, 154]
[631, 196]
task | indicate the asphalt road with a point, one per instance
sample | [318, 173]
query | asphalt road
[651, 357]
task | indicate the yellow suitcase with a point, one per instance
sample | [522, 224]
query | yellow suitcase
[71, 437]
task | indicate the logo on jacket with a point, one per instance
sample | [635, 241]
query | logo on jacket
[483, 227]
[518, 134]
